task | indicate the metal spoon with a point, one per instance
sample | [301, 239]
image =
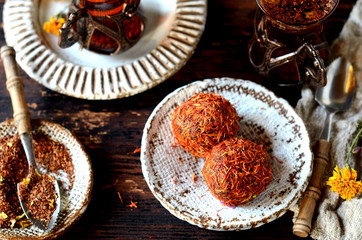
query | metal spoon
[336, 96]
[14, 85]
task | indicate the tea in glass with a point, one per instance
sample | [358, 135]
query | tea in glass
[103, 26]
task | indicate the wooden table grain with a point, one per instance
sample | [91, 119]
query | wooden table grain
[112, 129]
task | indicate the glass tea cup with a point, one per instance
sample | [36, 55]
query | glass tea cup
[289, 45]
[102, 26]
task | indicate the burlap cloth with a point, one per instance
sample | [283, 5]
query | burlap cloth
[336, 218]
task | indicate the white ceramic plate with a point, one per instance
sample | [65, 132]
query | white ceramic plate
[74, 201]
[264, 119]
[172, 30]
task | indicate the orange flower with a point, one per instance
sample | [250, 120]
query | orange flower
[344, 182]
[53, 25]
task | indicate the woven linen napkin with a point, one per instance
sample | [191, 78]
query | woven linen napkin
[336, 218]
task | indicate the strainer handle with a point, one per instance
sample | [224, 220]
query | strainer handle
[311, 196]
[15, 86]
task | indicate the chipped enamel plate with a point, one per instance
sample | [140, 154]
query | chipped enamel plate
[264, 119]
[172, 31]
[73, 202]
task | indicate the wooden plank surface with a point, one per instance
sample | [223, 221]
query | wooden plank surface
[112, 129]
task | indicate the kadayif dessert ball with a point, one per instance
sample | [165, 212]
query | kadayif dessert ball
[202, 122]
[236, 171]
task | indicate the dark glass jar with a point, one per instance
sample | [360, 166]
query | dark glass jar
[289, 46]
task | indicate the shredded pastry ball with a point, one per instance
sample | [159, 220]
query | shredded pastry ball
[202, 122]
[236, 171]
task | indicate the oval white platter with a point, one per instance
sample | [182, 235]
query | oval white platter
[172, 31]
[169, 170]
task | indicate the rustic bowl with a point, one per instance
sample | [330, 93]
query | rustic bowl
[170, 171]
[73, 202]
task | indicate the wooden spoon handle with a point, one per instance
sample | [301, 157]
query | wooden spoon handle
[15, 86]
[303, 223]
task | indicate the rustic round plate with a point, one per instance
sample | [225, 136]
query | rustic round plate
[263, 118]
[74, 201]
[172, 30]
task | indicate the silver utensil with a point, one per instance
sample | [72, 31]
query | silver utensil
[14, 85]
[336, 96]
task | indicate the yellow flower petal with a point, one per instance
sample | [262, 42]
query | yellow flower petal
[26, 181]
[3, 215]
[53, 25]
[343, 181]
[12, 223]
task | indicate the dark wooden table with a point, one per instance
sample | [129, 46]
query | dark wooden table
[111, 129]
